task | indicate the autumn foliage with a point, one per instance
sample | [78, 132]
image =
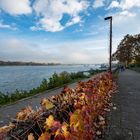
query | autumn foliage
[74, 114]
[128, 50]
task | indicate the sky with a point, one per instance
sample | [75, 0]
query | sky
[64, 31]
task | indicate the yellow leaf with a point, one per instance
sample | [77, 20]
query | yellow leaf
[57, 132]
[49, 121]
[47, 104]
[76, 120]
[65, 132]
[64, 126]
[44, 136]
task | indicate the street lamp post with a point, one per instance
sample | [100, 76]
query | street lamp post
[110, 50]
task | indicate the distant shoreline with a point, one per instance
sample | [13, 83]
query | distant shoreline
[18, 63]
[29, 65]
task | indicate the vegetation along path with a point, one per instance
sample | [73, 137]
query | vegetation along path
[124, 122]
[9, 111]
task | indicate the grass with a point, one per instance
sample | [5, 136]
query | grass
[137, 69]
[56, 80]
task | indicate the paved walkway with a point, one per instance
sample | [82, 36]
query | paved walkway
[124, 122]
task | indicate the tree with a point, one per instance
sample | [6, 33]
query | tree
[136, 52]
[128, 50]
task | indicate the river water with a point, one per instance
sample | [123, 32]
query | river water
[28, 77]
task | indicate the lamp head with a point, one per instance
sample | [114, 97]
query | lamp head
[107, 18]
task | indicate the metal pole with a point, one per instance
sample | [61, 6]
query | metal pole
[110, 64]
[110, 47]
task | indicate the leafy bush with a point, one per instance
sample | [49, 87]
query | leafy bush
[73, 114]
[56, 80]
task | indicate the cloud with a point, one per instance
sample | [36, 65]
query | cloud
[74, 20]
[19, 50]
[16, 7]
[127, 13]
[121, 18]
[51, 13]
[125, 4]
[125, 22]
[114, 4]
[6, 26]
[98, 3]
[82, 51]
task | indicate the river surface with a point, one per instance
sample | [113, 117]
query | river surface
[28, 77]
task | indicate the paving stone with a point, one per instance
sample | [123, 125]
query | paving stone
[119, 134]
[136, 135]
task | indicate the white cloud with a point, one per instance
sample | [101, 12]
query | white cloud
[98, 3]
[74, 20]
[6, 26]
[125, 4]
[114, 4]
[126, 18]
[85, 51]
[52, 25]
[52, 12]
[123, 17]
[127, 13]
[125, 22]
[82, 51]
[16, 7]
[19, 50]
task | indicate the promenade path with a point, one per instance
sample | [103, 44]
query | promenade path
[9, 111]
[124, 122]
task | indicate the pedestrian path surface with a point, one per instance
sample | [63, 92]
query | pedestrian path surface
[124, 122]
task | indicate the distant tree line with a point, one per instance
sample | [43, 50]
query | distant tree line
[128, 50]
[18, 63]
